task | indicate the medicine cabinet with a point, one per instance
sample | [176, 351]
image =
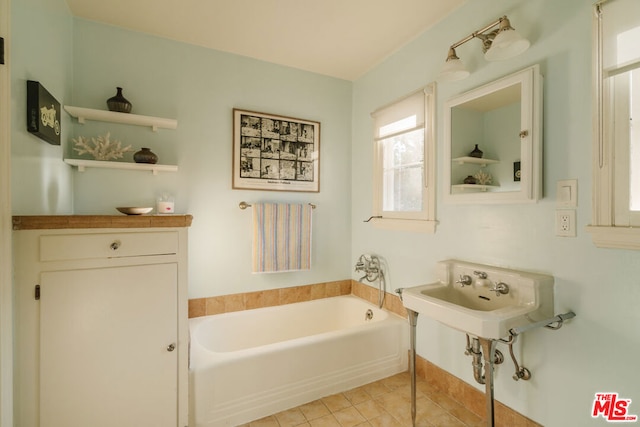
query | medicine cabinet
[504, 120]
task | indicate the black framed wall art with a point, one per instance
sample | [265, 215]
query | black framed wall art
[43, 113]
[272, 152]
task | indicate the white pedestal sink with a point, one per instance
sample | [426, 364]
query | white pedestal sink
[477, 308]
[486, 302]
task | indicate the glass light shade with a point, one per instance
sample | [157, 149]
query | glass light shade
[453, 70]
[507, 44]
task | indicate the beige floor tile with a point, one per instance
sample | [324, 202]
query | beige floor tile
[466, 416]
[394, 404]
[336, 402]
[357, 395]
[370, 409]
[399, 380]
[326, 421]
[349, 417]
[315, 409]
[265, 422]
[384, 420]
[290, 418]
[384, 403]
[446, 420]
[376, 389]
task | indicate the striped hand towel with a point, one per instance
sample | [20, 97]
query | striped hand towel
[281, 237]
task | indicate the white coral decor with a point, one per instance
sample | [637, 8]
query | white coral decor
[101, 148]
[483, 178]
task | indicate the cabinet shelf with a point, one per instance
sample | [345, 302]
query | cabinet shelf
[83, 114]
[474, 187]
[83, 164]
[474, 161]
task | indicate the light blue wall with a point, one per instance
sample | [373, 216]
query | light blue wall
[598, 350]
[41, 50]
[81, 62]
[199, 88]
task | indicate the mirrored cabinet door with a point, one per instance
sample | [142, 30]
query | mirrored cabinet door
[492, 141]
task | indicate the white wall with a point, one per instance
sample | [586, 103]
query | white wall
[595, 352]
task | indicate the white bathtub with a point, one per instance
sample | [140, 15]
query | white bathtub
[249, 364]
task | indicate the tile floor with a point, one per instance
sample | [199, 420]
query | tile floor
[384, 403]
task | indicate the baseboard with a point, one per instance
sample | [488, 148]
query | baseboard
[469, 396]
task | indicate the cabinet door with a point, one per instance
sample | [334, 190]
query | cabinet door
[105, 355]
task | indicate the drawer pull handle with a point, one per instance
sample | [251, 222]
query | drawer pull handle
[115, 245]
[171, 347]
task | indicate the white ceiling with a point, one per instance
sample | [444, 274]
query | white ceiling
[339, 38]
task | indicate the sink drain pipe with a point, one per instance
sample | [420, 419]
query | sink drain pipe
[473, 349]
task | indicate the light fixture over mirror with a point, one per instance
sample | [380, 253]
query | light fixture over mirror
[454, 68]
[497, 44]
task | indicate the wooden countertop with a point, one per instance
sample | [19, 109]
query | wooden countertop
[43, 222]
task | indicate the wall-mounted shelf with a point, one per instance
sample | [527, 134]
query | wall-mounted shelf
[83, 164]
[83, 114]
[474, 161]
[474, 187]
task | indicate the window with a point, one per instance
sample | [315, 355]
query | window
[616, 163]
[404, 163]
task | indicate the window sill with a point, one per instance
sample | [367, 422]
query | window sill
[615, 237]
[420, 226]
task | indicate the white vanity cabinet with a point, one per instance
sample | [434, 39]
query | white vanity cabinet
[101, 321]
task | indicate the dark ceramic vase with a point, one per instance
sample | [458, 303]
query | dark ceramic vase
[470, 180]
[145, 156]
[119, 103]
[476, 152]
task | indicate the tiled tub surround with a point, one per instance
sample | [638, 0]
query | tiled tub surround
[250, 300]
[451, 394]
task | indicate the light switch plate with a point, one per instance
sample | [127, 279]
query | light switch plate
[567, 193]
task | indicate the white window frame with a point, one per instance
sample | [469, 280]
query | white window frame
[420, 221]
[604, 231]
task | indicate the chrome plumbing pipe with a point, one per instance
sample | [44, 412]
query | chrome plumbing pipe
[413, 322]
[548, 323]
[476, 352]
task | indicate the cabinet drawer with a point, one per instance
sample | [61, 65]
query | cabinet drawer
[107, 245]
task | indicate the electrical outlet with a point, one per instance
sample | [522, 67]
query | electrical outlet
[566, 222]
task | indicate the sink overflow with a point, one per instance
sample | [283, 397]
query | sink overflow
[484, 298]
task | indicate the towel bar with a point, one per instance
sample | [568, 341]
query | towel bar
[245, 205]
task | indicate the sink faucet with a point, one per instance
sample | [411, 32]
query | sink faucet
[482, 278]
[500, 289]
[480, 274]
[464, 280]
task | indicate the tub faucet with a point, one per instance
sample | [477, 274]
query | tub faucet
[370, 266]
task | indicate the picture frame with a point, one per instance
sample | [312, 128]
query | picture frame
[275, 153]
[43, 113]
